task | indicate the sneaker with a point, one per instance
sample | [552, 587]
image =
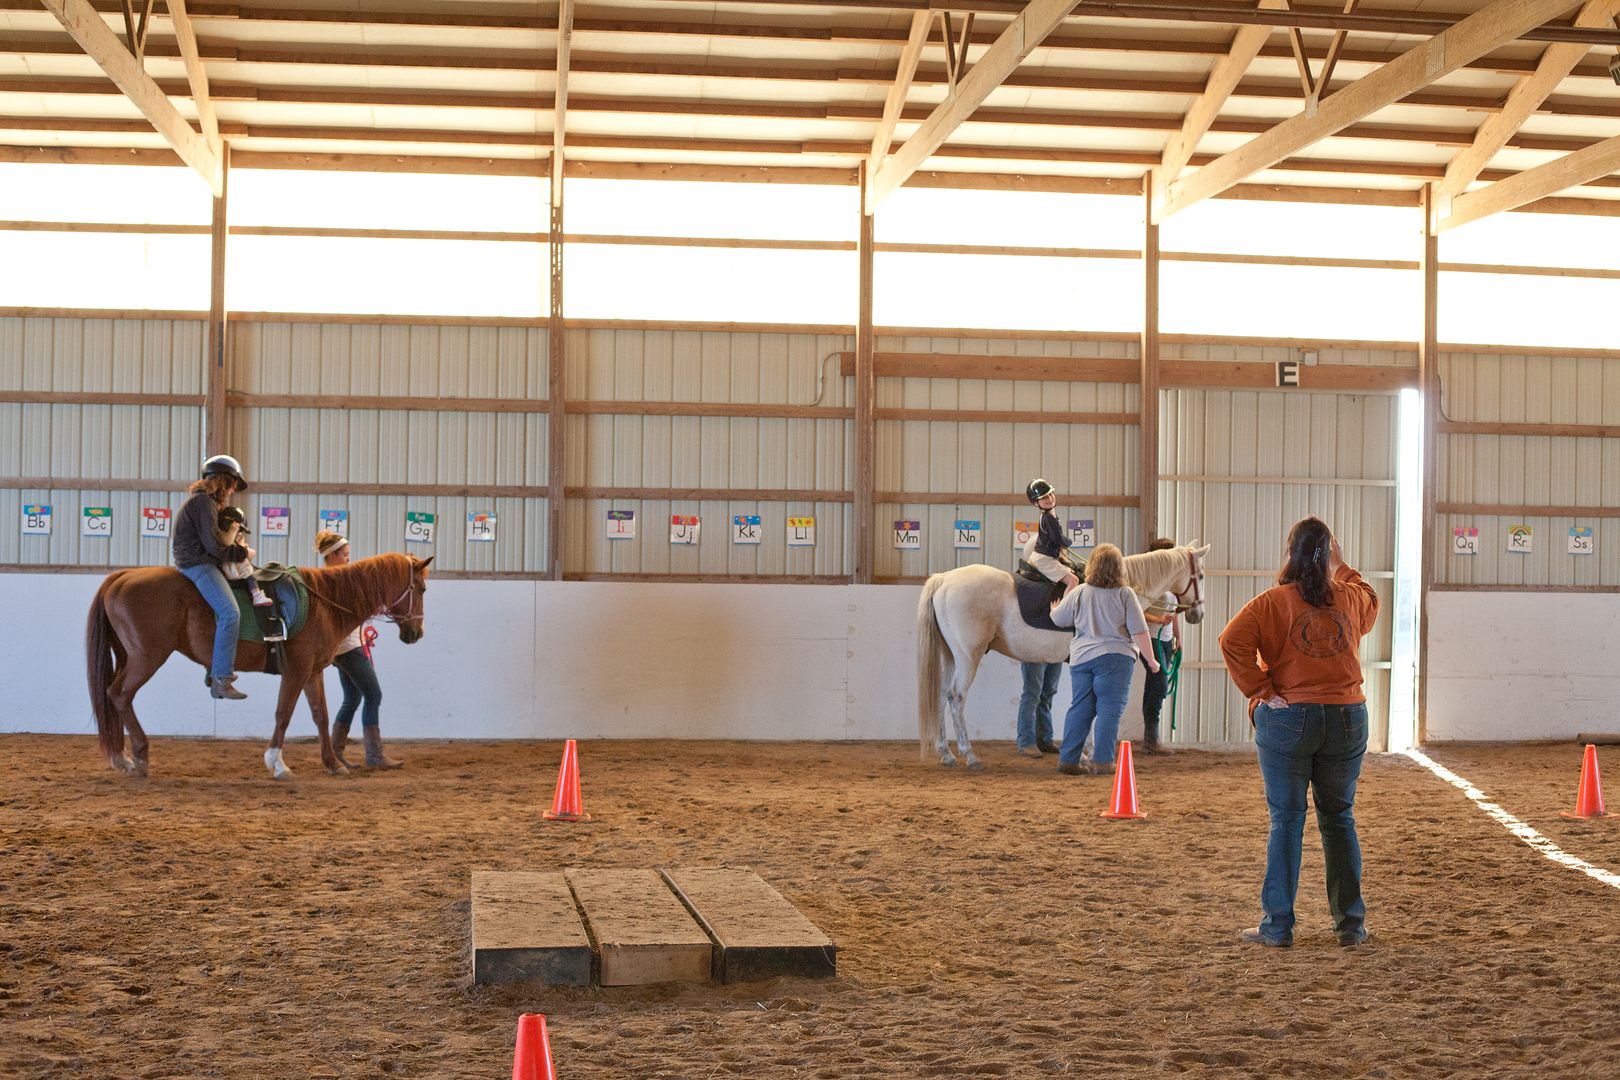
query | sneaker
[1350, 941]
[1254, 937]
[258, 597]
[1030, 751]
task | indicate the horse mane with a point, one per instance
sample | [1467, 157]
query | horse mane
[361, 586]
[1152, 566]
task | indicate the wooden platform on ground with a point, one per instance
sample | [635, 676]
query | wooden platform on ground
[758, 933]
[525, 928]
[643, 932]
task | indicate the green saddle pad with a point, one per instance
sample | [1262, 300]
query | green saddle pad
[289, 590]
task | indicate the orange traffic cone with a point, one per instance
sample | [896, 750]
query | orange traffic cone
[1124, 787]
[1589, 796]
[565, 805]
[532, 1061]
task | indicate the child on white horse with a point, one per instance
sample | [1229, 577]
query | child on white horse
[1041, 680]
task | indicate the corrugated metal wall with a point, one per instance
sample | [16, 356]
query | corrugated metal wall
[151, 356]
[801, 454]
[954, 456]
[1531, 470]
[371, 446]
[1238, 468]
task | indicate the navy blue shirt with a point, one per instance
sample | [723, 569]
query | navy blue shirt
[1050, 541]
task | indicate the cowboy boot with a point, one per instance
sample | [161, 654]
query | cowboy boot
[225, 689]
[375, 758]
[340, 739]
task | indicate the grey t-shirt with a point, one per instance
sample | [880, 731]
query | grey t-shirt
[1103, 621]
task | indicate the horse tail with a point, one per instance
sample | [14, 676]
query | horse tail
[101, 645]
[931, 653]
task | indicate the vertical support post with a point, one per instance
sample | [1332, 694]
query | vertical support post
[1149, 495]
[1429, 387]
[557, 388]
[215, 371]
[865, 389]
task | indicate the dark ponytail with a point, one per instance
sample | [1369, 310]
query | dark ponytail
[1310, 549]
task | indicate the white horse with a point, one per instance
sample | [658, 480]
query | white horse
[966, 612]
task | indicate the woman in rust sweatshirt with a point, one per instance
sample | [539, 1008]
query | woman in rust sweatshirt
[1294, 652]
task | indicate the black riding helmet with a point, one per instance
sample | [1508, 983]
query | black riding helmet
[224, 465]
[1038, 489]
[232, 515]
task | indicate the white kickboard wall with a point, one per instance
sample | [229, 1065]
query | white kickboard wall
[540, 659]
[1523, 665]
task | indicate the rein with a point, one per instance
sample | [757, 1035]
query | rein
[384, 611]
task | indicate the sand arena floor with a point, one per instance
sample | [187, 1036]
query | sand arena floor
[207, 922]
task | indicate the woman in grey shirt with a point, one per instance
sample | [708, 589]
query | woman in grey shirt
[1109, 632]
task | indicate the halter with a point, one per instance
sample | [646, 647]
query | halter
[1192, 587]
[387, 612]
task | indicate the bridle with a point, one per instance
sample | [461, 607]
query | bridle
[1197, 594]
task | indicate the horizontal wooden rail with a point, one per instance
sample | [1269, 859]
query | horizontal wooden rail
[712, 579]
[96, 397]
[1006, 416]
[994, 498]
[738, 410]
[695, 494]
[1485, 427]
[1340, 481]
[1522, 510]
[1022, 368]
[1364, 378]
[1476, 587]
[236, 399]
[791, 244]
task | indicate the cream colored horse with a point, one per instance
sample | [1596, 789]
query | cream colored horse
[966, 612]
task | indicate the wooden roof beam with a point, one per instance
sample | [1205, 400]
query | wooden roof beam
[1525, 98]
[88, 28]
[1572, 170]
[197, 75]
[895, 103]
[1223, 79]
[1490, 27]
[1017, 41]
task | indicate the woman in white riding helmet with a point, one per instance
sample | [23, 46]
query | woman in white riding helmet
[199, 551]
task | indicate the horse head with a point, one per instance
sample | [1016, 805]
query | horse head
[1191, 593]
[411, 607]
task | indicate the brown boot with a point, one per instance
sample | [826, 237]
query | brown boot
[340, 739]
[375, 758]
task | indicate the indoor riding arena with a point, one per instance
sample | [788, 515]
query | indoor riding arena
[792, 538]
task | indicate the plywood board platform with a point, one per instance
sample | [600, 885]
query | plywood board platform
[643, 932]
[526, 928]
[758, 933]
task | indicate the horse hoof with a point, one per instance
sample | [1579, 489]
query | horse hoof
[975, 765]
[947, 763]
[124, 764]
[340, 770]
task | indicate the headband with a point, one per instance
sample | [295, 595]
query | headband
[332, 546]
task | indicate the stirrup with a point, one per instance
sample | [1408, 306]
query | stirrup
[275, 631]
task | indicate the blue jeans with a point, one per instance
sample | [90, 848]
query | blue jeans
[1035, 705]
[1101, 686]
[1320, 746]
[210, 581]
[358, 677]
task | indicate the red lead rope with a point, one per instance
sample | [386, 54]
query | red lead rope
[368, 638]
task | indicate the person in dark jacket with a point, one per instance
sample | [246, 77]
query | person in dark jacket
[199, 551]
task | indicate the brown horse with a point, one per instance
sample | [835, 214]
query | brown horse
[141, 617]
